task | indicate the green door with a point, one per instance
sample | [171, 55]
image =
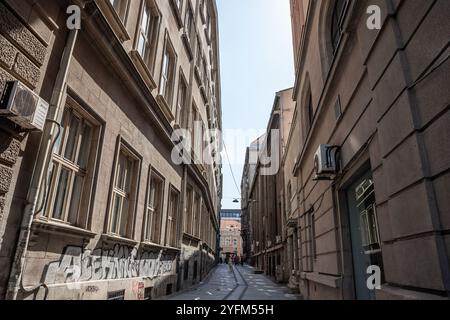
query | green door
[365, 239]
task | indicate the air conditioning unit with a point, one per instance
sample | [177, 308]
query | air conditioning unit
[278, 239]
[22, 106]
[325, 161]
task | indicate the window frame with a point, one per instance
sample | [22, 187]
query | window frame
[171, 76]
[336, 24]
[125, 13]
[172, 234]
[152, 44]
[88, 172]
[150, 227]
[123, 146]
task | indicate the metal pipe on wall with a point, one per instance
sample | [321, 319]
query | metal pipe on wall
[41, 167]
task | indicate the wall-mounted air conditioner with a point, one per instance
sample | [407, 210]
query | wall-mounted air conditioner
[22, 106]
[278, 239]
[326, 161]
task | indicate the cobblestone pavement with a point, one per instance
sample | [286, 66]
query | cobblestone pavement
[240, 283]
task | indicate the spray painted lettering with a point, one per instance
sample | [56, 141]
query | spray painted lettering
[121, 262]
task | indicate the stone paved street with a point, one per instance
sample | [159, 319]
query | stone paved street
[239, 284]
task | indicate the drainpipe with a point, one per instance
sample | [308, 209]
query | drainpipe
[41, 169]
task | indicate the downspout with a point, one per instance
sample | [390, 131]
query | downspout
[41, 169]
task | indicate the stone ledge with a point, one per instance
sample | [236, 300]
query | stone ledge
[388, 292]
[61, 229]
[327, 280]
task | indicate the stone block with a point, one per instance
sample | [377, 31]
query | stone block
[6, 175]
[27, 70]
[410, 212]
[403, 166]
[396, 125]
[10, 25]
[434, 32]
[9, 149]
[413, 263]
[432, 93]
[388, 89]
[438, 147]
[7, 52]
[441, 189]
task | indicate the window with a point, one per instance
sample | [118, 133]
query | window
[289, 200]
[167, 72]
[189, 23]
[124, 193]
[309, 111]
[172, 218]
[197, 211]
[148, 293]
[198, 61]
[153, 217]
[148, 34]
[73, 163]
[180, 114]
[116, 295]
[179, 4]
[189, 208]
[186, 270]
[121, 8]
[202, 9]
[337, 22]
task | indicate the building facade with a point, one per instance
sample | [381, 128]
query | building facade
[94, 206]
[378, 96]
[263, 193]
[365, 210]
[230, 233]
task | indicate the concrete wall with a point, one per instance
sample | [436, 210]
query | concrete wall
[391, 84]
[103, 80]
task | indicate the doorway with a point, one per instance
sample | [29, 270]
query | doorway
[364, 233]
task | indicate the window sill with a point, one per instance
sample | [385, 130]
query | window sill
[187, 45]
[191, 237]
[143, 69]
[327, 280]
[113, 239]
[113, 20]
[60, 229]
[165, 108]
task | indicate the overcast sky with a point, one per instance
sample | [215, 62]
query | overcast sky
[256, 61]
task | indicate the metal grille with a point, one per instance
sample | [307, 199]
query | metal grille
[116, 295]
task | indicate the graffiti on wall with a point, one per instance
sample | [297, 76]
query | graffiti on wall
[121, 262]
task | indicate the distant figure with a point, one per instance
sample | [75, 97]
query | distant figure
[242, 261]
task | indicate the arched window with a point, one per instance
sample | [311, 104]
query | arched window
[337, 21]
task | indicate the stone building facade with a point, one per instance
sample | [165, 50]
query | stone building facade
[263, 193]
[380, 97]
[230, 233]
[95, 207]
[375, 96]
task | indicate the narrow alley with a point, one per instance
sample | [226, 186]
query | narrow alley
[240, 283]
